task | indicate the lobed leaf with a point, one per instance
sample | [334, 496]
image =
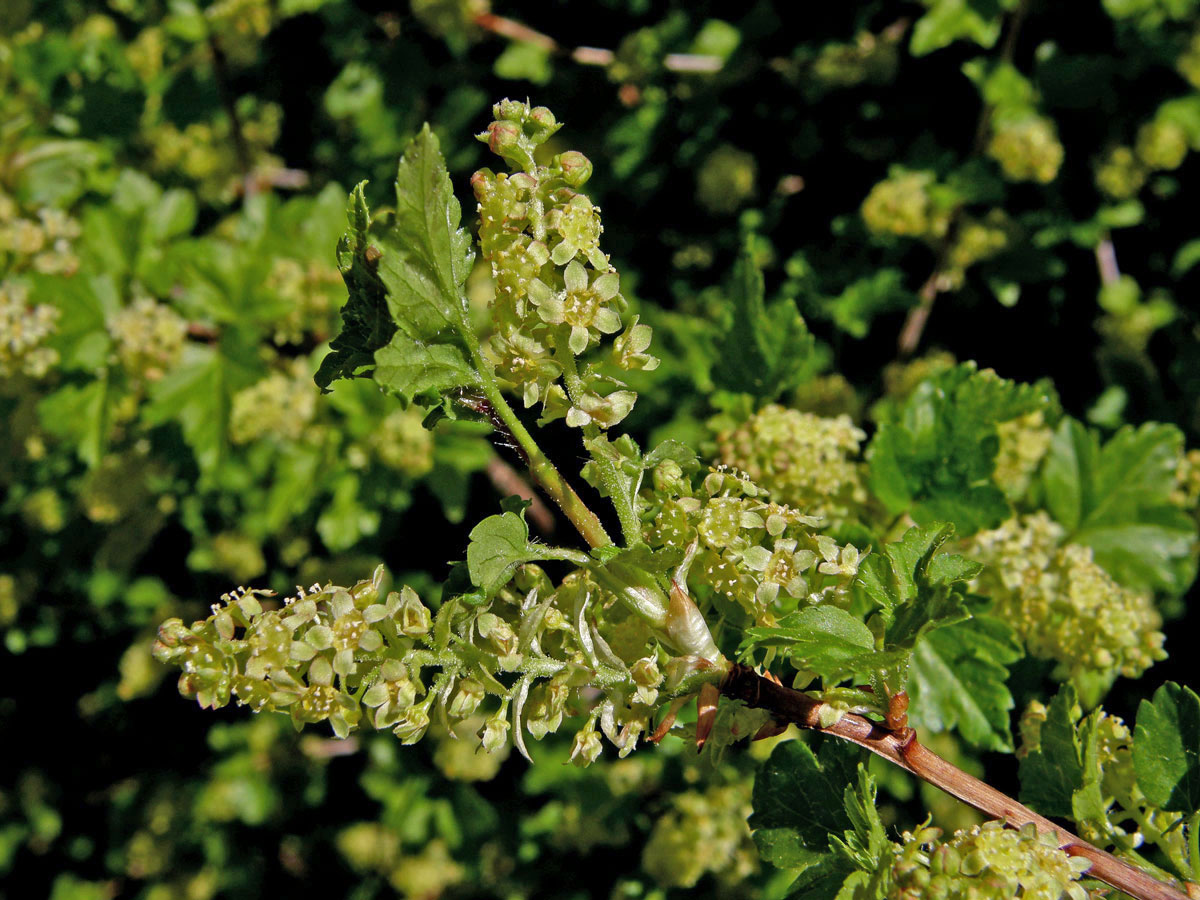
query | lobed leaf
[958, 677]
[767, 349]
[934, 457]
[1115, 499]
[1166, 749]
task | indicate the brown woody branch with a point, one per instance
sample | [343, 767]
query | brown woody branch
[787, 704]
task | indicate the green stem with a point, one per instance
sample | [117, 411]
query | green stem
[1193, 827]
[541, 468]
[610, 477]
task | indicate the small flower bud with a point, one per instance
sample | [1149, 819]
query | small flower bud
[510, 110]
[586, 747]
[503, 138]
[541, 124]
[494, 733]
[576, 168]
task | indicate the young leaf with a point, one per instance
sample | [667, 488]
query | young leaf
[916, 587]
[366, 323]
[1166, 749]
[1115, 499]
[825, 640]
[935, 457]
[423, 262]
[767, 348]
[957, 680]
[500, 543]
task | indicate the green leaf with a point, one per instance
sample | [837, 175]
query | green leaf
[822, 639]
[411, 268]
[794, 817]
[767, 349]
[916, 587]
[958, 677]
[498, 545]
[1166, 749]
[1051, 774]
[426, 370]
[934, 457]
[80, 414]
[951, 20]
[198, 395]
[825, 880]
[1115, 499]
[366, 323]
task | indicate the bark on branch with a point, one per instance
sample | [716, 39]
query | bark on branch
[787, 704]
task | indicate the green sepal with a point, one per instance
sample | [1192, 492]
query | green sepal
[1166, 749]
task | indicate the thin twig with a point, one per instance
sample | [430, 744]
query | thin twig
[1106, 261]
[236, 131]
[918, 316]
[509, 481]
[590, 56]
[790, 705]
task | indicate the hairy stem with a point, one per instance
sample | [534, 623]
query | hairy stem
[631, 526]
[787, 704]
[543, 471]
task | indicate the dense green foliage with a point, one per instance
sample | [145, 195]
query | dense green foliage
[735, 278]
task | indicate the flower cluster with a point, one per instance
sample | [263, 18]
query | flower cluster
[1023, 444]
[40, 240]
[402, 443]
[1066, 607]
[988, 862]
[764, 556]
[282, 405]
[149, 337]
[908, 204]
[205, 153]
[805, 461]
[520, 665]
[557, 295]
[1027, 148]
[24, 330]
[974, 241]
[726, 179]
[310, 290]
[1130, 820]
[703, 832]
[1161, 145]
